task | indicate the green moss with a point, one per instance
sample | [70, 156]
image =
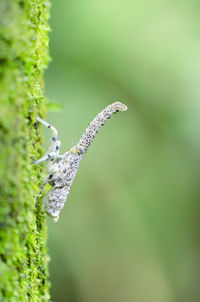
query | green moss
[23, 57]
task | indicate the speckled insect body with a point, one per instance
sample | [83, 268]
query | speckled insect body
[61, 169]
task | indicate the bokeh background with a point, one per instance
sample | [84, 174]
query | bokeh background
[130, 228]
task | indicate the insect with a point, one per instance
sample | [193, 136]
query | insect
[61, 169]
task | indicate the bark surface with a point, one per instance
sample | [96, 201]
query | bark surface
[23, 58]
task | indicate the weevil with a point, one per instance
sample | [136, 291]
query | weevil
[61, 169]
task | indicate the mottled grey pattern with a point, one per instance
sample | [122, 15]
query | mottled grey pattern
[62, 169]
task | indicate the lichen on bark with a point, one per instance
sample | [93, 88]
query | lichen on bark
[23, 57]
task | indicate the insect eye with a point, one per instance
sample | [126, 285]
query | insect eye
[73, 151]
[80, 150]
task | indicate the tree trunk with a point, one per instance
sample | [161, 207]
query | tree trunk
[23, 57]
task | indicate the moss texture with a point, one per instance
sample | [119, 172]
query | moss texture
[23, 57]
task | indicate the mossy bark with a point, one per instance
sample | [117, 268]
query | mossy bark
[23, 57]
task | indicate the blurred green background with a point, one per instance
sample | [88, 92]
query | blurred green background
[130, 228]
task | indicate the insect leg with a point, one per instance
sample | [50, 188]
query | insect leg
[44, 158]
[55, 145]
[54, 131]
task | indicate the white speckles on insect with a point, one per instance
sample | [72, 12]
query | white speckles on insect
[61, 169]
